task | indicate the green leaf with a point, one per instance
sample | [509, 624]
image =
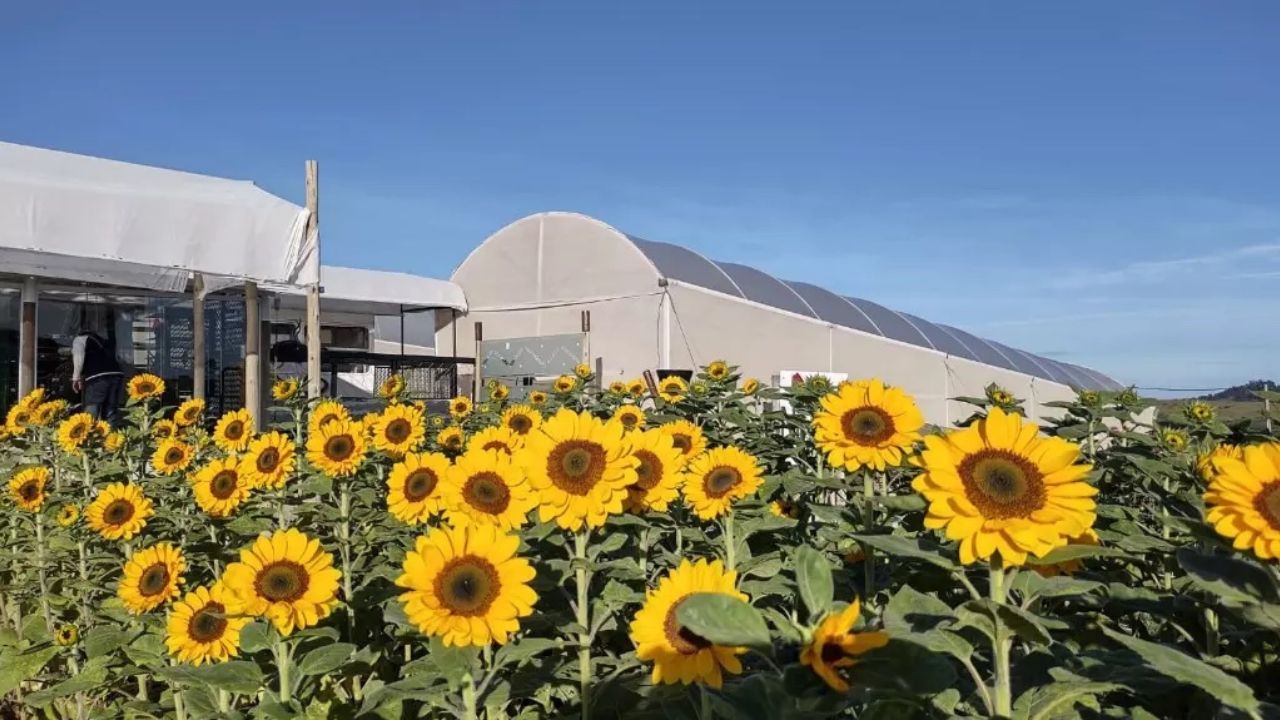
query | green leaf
[255, 637]
[1229, 578]
[524, 650]
[89, 678]
[911, 610]
[813, 577]
[916, 548]
[1023, 623]
[1265, 615]
[1186, 669]
[1074, 552]
[325, 659]
[274, 711]
[453, 663]
[237, 676]
[103, 640]
[939, 640]
[724, 620]
[1056, 700]
[16, 667]
[1031, 584]
[905, 503]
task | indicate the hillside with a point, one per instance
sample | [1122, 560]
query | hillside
[1232, 404]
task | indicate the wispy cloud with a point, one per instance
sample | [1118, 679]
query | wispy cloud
[1157, 271]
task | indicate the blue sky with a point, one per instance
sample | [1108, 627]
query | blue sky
[1095, 181]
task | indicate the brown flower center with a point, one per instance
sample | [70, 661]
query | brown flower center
[146, 387]
[867, 425]
[419, 484]
[398, 431]
[339, 447]
[30, 490]
[282, 581]
[118, 512]
[684, 640]
[497, 445]
[720, 480]
[174, 455]
[832, 652]
[1267, 503]
[520, 424]
[1002, 484]
[234, 430]
[468, 585]
[486, 492]
[154, 580]
[649, 471]
[629, 420]
[683, 442]
[268, 460]
[78, 432]
[575, 466]
[224, 484]
[207, 624]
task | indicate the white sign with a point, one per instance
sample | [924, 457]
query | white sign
[789, 378]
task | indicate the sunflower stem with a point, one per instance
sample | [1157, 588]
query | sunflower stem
[344, 549]
[469, 697]
[179, 705]
[281, 651]
[868, 553]
[730, 549]
[43, 572]
[1001, 645]
[644, 549]
[224, 701]
[584, 621]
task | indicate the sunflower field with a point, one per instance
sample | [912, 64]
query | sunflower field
[704, 549]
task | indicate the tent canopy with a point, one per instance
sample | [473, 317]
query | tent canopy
[86, 218]
[377, 292]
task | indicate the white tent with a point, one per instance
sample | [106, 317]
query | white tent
[377, 292]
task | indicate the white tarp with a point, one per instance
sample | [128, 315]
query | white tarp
[377, 292]
[81, 216]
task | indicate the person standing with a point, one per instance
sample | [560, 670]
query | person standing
[95, 372]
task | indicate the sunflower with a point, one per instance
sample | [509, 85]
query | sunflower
[818, 384]
[699, 388]
[338, 449]
[200, 629]
[672, 388]
[997, 395]
[67, 635]
[68, 514]
[718, 370]
[564, 384]
[26, 487]
[499, 392]
[219, 487]
[784, 509]
[325, 412]
[617, 387]
[1244, 500]
[467, 586]
[583, 371]
[636, 388]
[415, 487]
[73, 432]
[1175, 440]
[714, 480]
[285, 576]
[119, 511]
[151, 578]
[392, 387]
[451, 438]
[867, 424]
[487, 487]
[1090, 398]
[164, 430]
[234, 431]
[1088, 537]
[580, 467]
[46, 412]
[678, 654]
[145, 386]
[270, 461]
[113, 442]
[998, 486]
[284, 389]
[460, 407]
[17, 419]
[32, 399]
[1205, 462]
[629, 417]
[521, 419]
[101, 429]
[437, 421]
[495, 438]
[750, 386]
[1199, 412]
[537, 397]
[172, 456]
[657, 472]
[687, 438]
[398, 430]
[835, 645]
[189, 412]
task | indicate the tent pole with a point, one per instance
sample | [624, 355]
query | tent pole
[313, 292]
[402, 329]
[252, 354]
[27, 339]
[198, 362]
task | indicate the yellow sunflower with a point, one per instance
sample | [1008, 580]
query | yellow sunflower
[537, 397]
[26, 487]
[219, 487]
[189, 412]
[583, 370]
[998, 486]
[17, 419]
[1244, 500]
[580, 467]
[629, 417]
[415, 487]
[325, 412]
[499, 392]
[999, 396]
[564, 384]
[201, 630]
[68, 514]
[74, 431]
[784, 509]
[399, 430]
[47, 412]
[672, 388]
[460, 406]
[750, 386]
[718, 370]
[499, 438]
[285, 576]
[392, 387]
[679, 655]
[1175, 440]
[451, 438]
[32, 399]
[716, 479]
[467, 586]
[164, 430]
[867, 424]
[636, 388]
[270, 460]
[113, 442]
[145, 386]
[487, 487]
[699, 388]
[617, 387]
[67, 635]
[1199, 412]
[119, 511]
[1088, 537]
[687, 438]
[151, 578]
[234, 431]
[172, 456]
[521, 419]
[657, 471]
[835, 645]
[1205, 462]
[284, 389]
[338, 449]
[437, 421]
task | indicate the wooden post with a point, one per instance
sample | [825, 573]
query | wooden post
[477, 380]
[199, 363]
[27, 339]
[313, 292]
[252, 354]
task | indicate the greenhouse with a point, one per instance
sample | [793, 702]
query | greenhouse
[638, 304]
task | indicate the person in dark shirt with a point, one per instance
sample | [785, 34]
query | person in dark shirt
[95, 372]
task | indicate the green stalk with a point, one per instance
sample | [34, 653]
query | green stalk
[1166, 580]
[469, 697]
[644, 549]
[179, 706]
[869, 521]
[584, 621]
[1092, 449]
[281, 651]
[730, 549]
[1001, 646]
[43, 572]
[344, 550]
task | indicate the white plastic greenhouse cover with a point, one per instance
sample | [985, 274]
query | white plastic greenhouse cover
[377, 292]
[81, 217]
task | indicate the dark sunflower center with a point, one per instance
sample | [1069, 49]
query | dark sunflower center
[420, 483]
[78, 432]
[339, 448]
[190, 414]
[486, 492]
[629, 419]
[282, 581]
[21, 418]
[146, 388]
[684, 640]
[118, 512]
[649, 472]
[30, 490]
[224, 484]
[452, 440]
[207, 624]
[234, 430]
[575, 466]
[398, 430]
[173, 456]
[460, 407]
[1001, 484]
[468, 585]
[520, 424]
[67, 635]
[164, 432]
[1267, 503]
[867, 425]
[683, 442]
[326, 419]
[154, 580]
[497, 445]
[720, 480]
[832, 652]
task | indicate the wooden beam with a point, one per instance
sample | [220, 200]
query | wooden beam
[252, 354]
[27, 339]
[313, 292]
[199, 363]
